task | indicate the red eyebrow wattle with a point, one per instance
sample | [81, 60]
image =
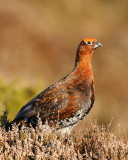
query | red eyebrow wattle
[89, 39]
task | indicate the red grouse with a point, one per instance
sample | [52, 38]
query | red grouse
[70, 99]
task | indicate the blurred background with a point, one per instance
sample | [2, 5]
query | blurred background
[38, 42]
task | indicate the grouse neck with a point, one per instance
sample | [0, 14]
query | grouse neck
[83, 60]
[83, 65]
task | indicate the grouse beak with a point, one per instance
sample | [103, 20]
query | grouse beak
[97, 44]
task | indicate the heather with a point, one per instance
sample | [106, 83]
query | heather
[95, 143]
[88, 140]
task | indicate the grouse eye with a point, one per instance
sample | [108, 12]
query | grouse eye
[89, 42]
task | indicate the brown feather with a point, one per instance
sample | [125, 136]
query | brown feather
[67, 101]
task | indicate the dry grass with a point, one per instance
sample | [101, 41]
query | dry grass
[96, 143]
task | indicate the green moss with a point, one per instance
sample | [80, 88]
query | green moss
[13, 97]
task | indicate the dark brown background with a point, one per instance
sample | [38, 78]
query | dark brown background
[38, 39]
